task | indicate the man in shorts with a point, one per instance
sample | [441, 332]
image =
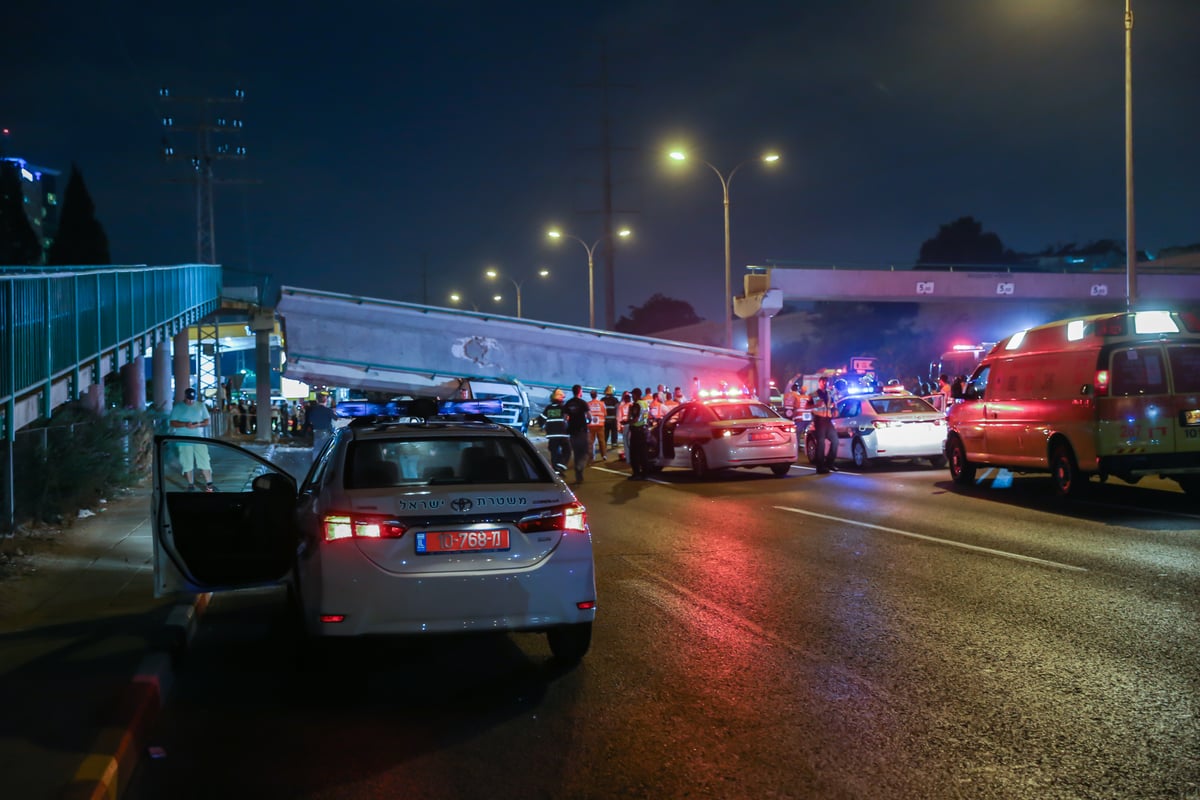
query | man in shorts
[189, 418]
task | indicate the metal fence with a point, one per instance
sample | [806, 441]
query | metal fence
[58, 325]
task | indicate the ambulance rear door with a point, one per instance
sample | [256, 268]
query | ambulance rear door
[1136, 420]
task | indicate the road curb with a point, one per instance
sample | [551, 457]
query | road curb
[105, 771]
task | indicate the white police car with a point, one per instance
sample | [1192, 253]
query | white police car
[887, 425]
[404, 528]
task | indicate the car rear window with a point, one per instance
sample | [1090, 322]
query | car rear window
[379, 462]
[742, 411]
[902, 405]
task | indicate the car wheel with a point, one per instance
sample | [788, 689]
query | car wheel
[810, 448]
[780, 469]
[858, 452]
[937, 462]
[570, 643]
[699, 462]
[1065, 471]
[961, 470]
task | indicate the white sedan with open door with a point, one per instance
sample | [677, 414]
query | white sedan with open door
[400, 528]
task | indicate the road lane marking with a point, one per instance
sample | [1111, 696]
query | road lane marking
[950, 542]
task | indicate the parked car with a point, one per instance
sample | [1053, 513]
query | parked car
[709, 435]
[401, 528]
[884, 426]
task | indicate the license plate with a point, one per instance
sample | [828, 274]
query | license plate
[762, 436]
[462, 541]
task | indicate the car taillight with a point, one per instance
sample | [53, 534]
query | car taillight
[571, 517]
[727, 432]
[1101, 383]
[360, 526]
[883, 423]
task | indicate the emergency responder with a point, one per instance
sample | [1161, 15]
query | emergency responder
[610, 415]
[639, 417]
[597, 413]
[554, 423]
[623, 423]
[575, 411]
[827, 442]
[791, 401]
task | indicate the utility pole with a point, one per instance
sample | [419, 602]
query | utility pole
[211, 146]
[606, 210]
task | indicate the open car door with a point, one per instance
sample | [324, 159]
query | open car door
[238, 535]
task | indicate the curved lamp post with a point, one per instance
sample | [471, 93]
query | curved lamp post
[494, 274]
[555, 233]
[769, 158]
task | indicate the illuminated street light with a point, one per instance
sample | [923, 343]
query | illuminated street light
[554, 233]
[1130, 243]
[726, 179]
[494, 274]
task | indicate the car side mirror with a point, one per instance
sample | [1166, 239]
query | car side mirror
[268, 482]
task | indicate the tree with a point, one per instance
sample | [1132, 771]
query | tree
[19, 244]
[80, 239]
[659, 313]
[963, 243]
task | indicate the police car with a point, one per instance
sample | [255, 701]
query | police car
[890, 424]
[404, 528]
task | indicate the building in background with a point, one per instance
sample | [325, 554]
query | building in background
[39, 185]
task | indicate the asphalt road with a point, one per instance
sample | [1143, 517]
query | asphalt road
[843, 636]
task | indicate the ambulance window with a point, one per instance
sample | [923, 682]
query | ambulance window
[978, 384]
[1137, 371]
[1185, 367]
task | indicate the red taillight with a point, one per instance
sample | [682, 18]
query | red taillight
[727, 432]
[332, 618]
[359, 526]
[1101, 383]
[571, 517]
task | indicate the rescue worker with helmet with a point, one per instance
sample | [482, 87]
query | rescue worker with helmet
[611, 402]
[554, 422]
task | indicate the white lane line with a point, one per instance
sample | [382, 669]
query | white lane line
[935, 540]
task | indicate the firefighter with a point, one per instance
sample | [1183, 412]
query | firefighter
[823, 424]
[639, 418]
[554, 423]
[610, 415]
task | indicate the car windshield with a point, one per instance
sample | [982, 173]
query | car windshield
[733, 411]
[901, 405]
[381, 462]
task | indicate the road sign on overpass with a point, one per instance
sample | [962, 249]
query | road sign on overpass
[369, 343]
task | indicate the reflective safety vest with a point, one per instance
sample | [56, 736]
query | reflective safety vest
[597, 410]
[643, 414]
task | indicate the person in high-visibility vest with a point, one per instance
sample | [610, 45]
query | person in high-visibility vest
[597, 411]
[639, 418]
[823, 400]
[554, 423]
[623, 423]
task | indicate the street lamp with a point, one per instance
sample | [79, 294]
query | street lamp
[458, 298]
[554, 233]
[726, 179]
[1130, 244]
[494, 274]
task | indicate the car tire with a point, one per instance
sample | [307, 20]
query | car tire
[858, 454]
[962, 471]
[810, 448]
[570, 643]
[1065, 471]
[700, 463]
[937, 462]
[780, 469]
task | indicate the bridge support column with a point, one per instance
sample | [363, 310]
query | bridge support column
[180, 366]
[263, 324]
[133, 383]
[93, 398]
[160, 368]
[757, 306]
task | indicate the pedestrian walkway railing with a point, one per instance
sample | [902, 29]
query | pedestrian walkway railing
[62, 329]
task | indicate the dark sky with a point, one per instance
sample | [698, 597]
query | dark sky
[402, 147]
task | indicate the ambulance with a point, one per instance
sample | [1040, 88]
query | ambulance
[1109, 394]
